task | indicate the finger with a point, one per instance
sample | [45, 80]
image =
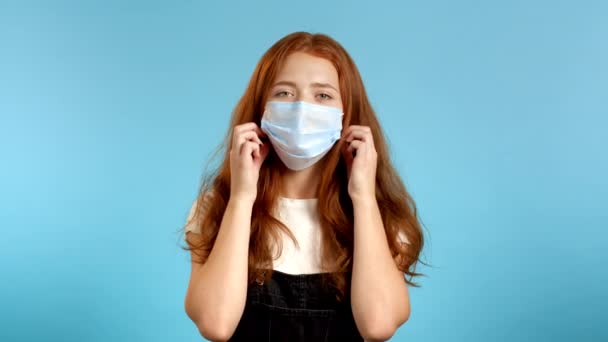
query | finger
[351, 128]
[355, 145]
[355, 135]
[244, 137]
[248, 148]
[249, 151]
[250, 126]
[255, 150]
[264, 151]
[345, 151]
[346, 132]
[249, 136]
[360, 134]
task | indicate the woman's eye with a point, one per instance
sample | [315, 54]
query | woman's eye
[324, 96]
[282, 94]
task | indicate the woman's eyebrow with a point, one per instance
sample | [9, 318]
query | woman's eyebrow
[285, 83]
[323, 85]
[313, 85]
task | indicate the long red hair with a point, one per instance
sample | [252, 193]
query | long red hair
[398, 209]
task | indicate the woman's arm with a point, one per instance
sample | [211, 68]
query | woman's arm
[218, 289]
[379, 294]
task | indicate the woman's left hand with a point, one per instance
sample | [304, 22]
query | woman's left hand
[361, 161]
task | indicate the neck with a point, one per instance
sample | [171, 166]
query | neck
[301, 184]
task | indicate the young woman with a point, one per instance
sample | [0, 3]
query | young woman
[305, 232]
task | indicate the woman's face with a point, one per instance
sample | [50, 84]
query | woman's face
[308, 78]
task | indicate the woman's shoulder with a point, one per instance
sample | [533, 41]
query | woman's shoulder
[197, 211]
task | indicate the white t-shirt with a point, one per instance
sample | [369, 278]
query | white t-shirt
[301, 217]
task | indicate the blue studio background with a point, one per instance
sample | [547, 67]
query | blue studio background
[496, 112]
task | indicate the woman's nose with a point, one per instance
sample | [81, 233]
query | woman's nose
[304, 96]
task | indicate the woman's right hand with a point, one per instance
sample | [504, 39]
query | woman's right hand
[247, 153]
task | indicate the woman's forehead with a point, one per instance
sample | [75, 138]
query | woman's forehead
[300, 67]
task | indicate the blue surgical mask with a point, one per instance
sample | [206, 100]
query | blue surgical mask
[301, 132]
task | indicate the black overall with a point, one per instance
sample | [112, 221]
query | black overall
[295, 308]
